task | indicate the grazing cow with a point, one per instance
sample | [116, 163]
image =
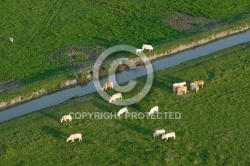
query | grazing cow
[115, 97]
[147, 47]
[194, 86]
[153, 110]
[199, 82]
[11, 40]
[107, 85]
[168, 135]
[181, 89]
[138, 51]
[66, 117]
[72, 137]
[159, 132]
[175, 85]
[122, 111]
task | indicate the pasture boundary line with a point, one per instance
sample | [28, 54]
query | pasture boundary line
[56, 13]
[47, 16]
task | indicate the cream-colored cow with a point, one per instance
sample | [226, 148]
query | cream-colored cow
[72, 137]
[168, 135]
[138, 51]
[147, 47]
[115, 97]
[11, 39]
[181, 90]
[153, 110]
[122, 111]
[175, 85]
[159, 132]
[66, 118]
[107, 85]
[199, 82]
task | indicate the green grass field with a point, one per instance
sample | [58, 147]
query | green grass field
[213, 129]
[41, 28]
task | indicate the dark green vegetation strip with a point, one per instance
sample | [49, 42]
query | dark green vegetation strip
[213, 128]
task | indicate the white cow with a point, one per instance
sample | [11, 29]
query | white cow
[115, 97]
[147, 47]
[72, 137]
[138, 51]
[153, 110]
[180, 84]
[66, 117]
[122, 111]
[159, 132]
[168, 135]
[194, 86]
[11, 40]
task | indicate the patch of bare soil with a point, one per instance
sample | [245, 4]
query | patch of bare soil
[67, 56]
[8, 86]
[189, 23]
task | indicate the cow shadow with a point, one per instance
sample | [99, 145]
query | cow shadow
[104, 107]
[136, 128]
[4, 39]
[139, 108]
[107, 43]
[88, 141]
[165, 83]
[54, 132]
[180, 133]
[51, 116]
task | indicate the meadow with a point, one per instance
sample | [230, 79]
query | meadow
[41, 28]
[213, 128]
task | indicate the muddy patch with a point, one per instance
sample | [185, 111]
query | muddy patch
[189, 23]
[81, 56]
[9, 86]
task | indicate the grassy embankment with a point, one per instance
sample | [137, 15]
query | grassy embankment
[41, 28]
[213, 129]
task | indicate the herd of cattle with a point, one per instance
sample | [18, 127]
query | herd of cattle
[179, 88]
